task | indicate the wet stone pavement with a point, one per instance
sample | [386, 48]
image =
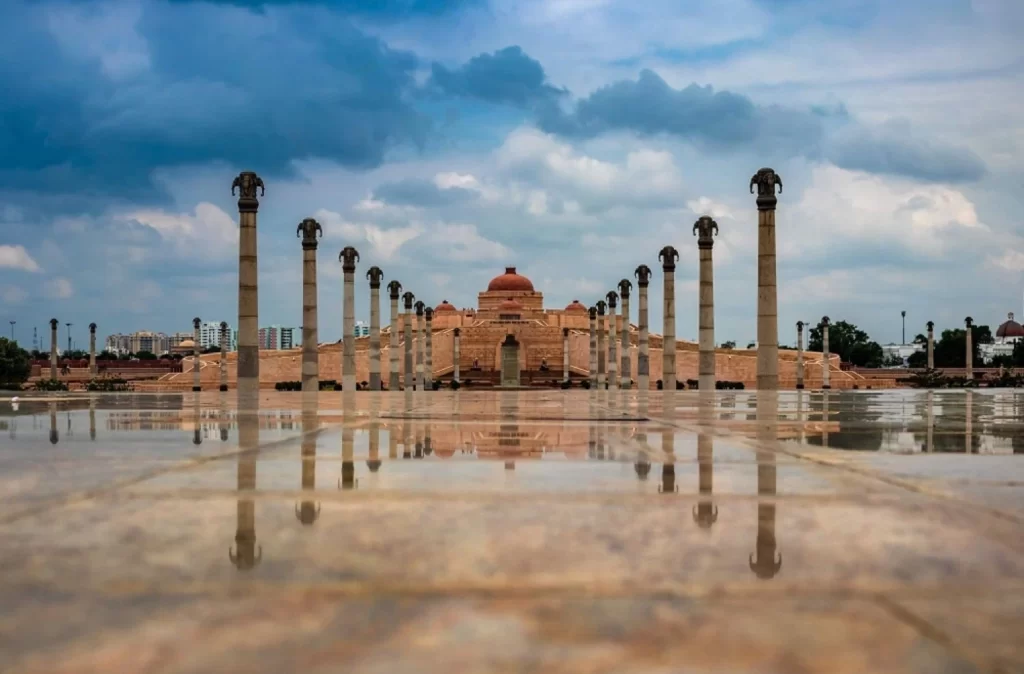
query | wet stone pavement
[519, 531]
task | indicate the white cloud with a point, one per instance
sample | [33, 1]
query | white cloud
[705, 206]
[462, 242]
[104, 32]
[58, 288]
[384, 243]
[209, 232]
[12, 295]
[1011, 260]
[16, 257]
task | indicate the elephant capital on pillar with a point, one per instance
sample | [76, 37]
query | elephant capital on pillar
[428, 314]
[766, 179]
[420, 307]
[593, 313]
[969, 322]
[376, 276]
[613, 299]
[195, 323]
[458, 331]
[668, 257]
[825, 321]
[601, 306]
[705, 229]
[53, 323]
[407, 300]
[799, 326]
[624, 287]
[931, 326]
[308, 230]
[394, 288]
[643, 275]
[348, 258]
[92, 328]
[247, 182]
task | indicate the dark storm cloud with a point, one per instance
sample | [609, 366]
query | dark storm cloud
[378, 9]
[507, 76]
[417, 192]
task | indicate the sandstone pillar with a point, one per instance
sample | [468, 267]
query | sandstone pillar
[593, 347]
[394, 369]
[626, 376]
[602, 351]
[428, 360]
[196, 385]
[767, 292]
[376, 276]
[308, 229]
[668, 257]
[799, 354]
[53, 348]
[420, 339]
[613, 338]
[224, 339]
[931, 345]
[455, 354]
[643, 358]
[706, 229]
[826, 369]
[92, 349]
[969, 356]
[565, 354]
[348, 258]
[248, 364]
[407, 299]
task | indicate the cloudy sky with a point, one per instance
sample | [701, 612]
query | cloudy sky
[445, 139]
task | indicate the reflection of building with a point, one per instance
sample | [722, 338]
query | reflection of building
[276, 337]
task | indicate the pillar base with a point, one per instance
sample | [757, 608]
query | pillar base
[825, 387]
[800, 387]
[196, 389]
[223, 387]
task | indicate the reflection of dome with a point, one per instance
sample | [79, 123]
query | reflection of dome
[510, 306]
[1010, 328]
[510, 280]
[445, 453]
[443, 306]
[576, 307]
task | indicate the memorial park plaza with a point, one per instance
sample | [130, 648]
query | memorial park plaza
[514, 488]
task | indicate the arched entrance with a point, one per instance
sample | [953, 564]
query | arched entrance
[510, 361]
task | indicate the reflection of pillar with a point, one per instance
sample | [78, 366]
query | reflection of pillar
[931, 345]
[826, 368]
[392, 440]
[224, 355]
[766, 562]
[394, 369]
[457, 338]
[593, 346]
[565, 354]
[602, 351]
[428, 359]
[417, 432]
[705, 228]
[969, 423]
[92, 418]
[643, 357]
[373, 462]
[195, 355]
[706, 512]
[248, 364]
[801, 422]
[799, 354]
[420, 339]
[348, 257]
[406, 437]
[92, 349]
[668, 257]
[624, 369]
[613, 338]
[969, 356]
[375, 275]
[407, 299]
[246, 554]
[767, 291]
[53, 348]
[929, 422]
[668, 448]
[197, 437]
[308, 229]
[643, 463]
[824, 417]
[54, 435]
[223, 418]
[308, 511]
[348, 466]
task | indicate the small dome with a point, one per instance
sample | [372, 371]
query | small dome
[444, 306]
[510, 280]
[576, 307]
[510, 306]
[187, 342]
[1010, 328]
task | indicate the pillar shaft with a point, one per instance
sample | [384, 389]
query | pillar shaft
[565, 354]
[53, 351]
[224, 359]
[767, 303]
[310, 323]
[931, 348]
[602, 352]
[613, 348]
[826, 370]
[428, 359]
[248, 366]
[374, 338]
[969, 356]
[348, 359]
[593, 350]
[706, 322]
[394, 370]
[668, 367]
[92, 352]
[409, 383]
[625, 375]
[456, 355]
[800, 356]
[196, 382]
[643, 358]
[420, 344]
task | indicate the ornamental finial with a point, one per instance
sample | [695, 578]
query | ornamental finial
[643, 275]
[308, 230]
[407, 299]
[706, 229]
[766, 179]
[375, 275]
[420, 306]
[625, 285]
[394, 288]
[668, 257]
[348, 257]
[247, 182]
[601, 306]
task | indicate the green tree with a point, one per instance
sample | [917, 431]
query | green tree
[918, 359]
[106, 355]
[729, 345]
[145, 355]
[850, 343]
[920, 339]
[211, 349]
[951, 348]
[15, 365]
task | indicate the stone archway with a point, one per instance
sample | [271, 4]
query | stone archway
[510, 365]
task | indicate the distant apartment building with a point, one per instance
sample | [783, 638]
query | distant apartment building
[142, 340]
[361, 329]
[276, 337]
[209, 335]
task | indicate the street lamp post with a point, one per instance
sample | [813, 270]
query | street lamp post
[903, 314]
[12, 329]
[69, 337]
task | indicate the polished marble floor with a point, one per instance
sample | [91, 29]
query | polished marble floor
[862, 531]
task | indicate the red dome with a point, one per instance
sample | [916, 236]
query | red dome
[510, 280]
[444, 306]
[1010, 328]
[445, 453]
[510, 305]
[576, 307]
